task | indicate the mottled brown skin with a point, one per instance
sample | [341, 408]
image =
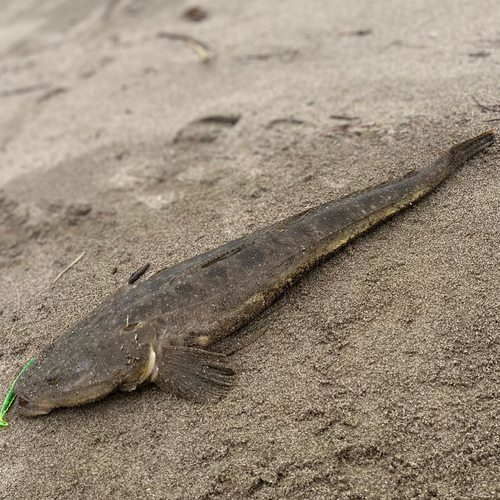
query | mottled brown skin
[180, 311]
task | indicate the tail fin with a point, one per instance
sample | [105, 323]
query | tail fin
[466, 150]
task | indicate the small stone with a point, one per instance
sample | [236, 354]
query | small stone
[196, 14]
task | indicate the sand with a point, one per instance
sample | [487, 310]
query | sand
[377, 376]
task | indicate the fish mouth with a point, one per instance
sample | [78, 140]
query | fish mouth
[28, 409]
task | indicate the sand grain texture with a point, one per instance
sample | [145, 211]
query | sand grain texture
[377, 376]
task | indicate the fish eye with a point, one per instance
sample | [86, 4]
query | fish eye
[52, 379]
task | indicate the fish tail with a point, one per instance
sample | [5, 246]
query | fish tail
[468, 149]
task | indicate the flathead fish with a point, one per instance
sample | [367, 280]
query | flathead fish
[160, 330]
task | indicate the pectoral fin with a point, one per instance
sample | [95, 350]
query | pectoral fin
[192, 373]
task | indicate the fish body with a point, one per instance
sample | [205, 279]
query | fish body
[159, 330]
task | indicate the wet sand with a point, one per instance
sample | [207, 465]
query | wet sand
[377, 375]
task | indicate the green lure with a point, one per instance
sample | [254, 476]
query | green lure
[9, 399]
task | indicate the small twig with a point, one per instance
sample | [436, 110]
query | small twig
[202, 49]
[24, 90]
[137, 274]
[69, 267]
[285, 56]
[493, 120]
[356, 32]
[482, 53]
[51, 93]
[344, 117]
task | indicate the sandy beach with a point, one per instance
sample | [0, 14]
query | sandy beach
[134, 133]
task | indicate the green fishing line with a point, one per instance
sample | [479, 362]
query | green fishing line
[9, 399]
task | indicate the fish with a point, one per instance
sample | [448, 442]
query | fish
[164, 329]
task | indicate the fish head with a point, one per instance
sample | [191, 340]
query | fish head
[81, 367]
[50, 383]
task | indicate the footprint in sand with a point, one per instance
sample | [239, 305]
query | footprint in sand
[206, 130]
